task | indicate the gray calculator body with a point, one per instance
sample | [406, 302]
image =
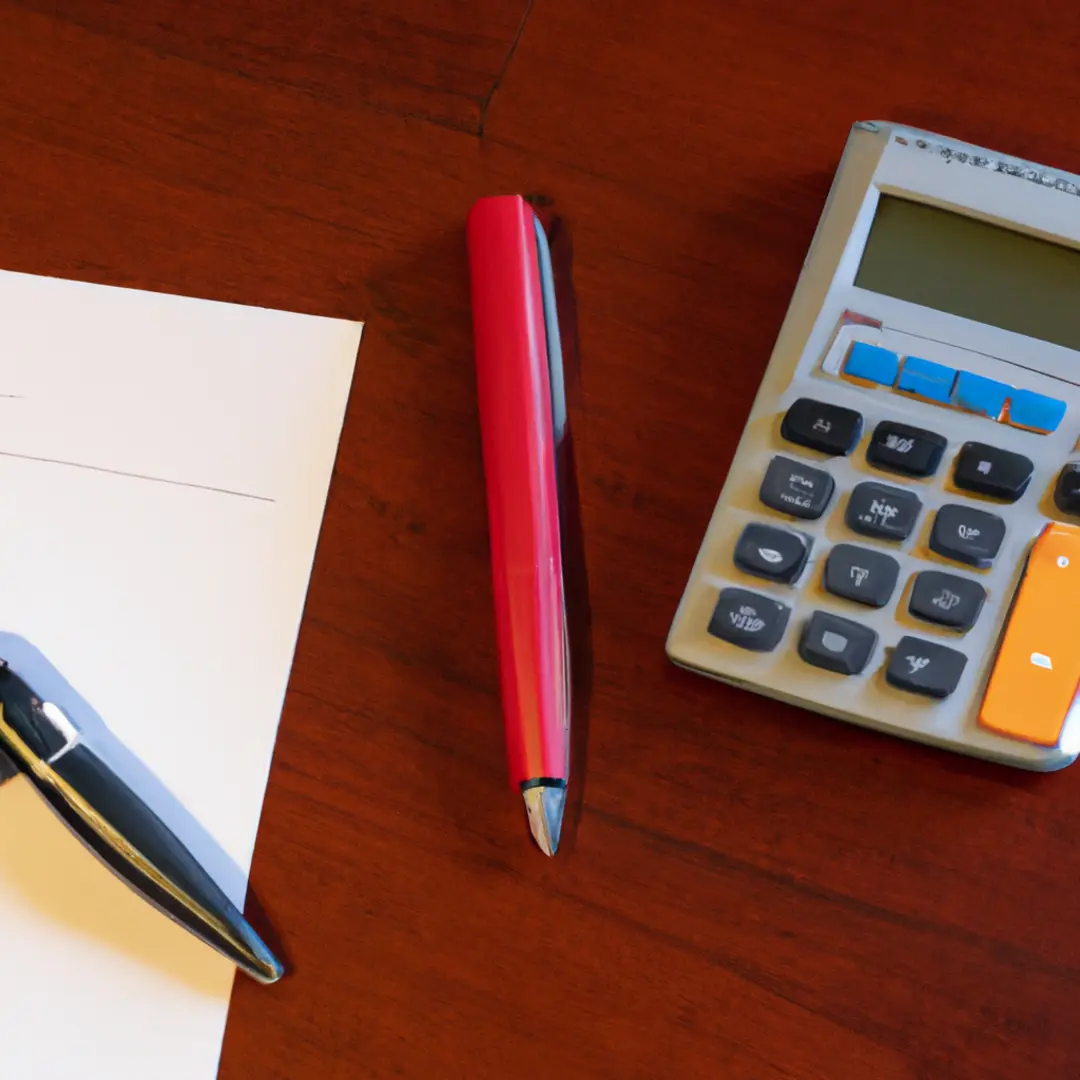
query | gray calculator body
[920, 256]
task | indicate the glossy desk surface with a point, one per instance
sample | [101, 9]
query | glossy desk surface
[750, 892]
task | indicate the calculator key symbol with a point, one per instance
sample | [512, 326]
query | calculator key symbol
[946, 600]
[859, 574]
[899, 444]
[747, 618]
[881, 512]
[829, 429]
[833, 641]
[796, 489]
[966, 532]
[984, 467]
[916, 663]
[770, 555]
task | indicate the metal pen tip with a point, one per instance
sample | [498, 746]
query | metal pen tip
[260, 962]
[544, 807]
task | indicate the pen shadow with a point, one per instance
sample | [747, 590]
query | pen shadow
[56, 875]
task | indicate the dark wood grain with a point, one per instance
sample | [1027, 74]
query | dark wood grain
[752, 892]
[438, 62]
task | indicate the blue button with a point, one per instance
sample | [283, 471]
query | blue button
[978, 394]
[873, 363]
[1036, 411]
[927, 379]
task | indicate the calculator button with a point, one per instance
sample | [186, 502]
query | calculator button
[770, 552]
[749, 620]
[872, 363]
[831, 429]
[927, 379]
[967, 535]
[1034, 679]
[989, 470]
[911, 450]
[836, 644]
[1035, 411]
[796, 489]
[880, 510]
[859, 574]
[946, 599]
[925, 667]
[981, 395]
[1067, 489]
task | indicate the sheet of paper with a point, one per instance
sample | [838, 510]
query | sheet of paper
[164, 466]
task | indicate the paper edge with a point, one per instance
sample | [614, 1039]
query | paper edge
[189, 298]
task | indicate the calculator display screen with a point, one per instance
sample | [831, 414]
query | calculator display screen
[993, 275]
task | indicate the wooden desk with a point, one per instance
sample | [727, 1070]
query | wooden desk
[753, 893]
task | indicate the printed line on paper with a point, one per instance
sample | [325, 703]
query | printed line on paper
[138, 476]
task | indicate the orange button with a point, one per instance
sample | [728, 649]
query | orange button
[1037, 670]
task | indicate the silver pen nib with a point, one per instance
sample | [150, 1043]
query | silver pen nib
[544, 806]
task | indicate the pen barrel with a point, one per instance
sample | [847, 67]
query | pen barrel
[135, 843]
[115, 824]
[518, 448]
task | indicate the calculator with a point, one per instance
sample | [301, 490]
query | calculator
[897, 541]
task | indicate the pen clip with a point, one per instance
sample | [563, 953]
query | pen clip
[556, 381]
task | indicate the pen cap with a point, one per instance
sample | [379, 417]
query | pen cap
[518, 445]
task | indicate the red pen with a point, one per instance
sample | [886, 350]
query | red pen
[522, 421]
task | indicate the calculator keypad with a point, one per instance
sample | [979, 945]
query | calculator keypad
[943, 601]
[919, 472]
[885, 518]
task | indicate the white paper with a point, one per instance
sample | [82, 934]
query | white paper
[170, 612]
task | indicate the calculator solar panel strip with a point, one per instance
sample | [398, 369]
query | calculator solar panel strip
[897, 541]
